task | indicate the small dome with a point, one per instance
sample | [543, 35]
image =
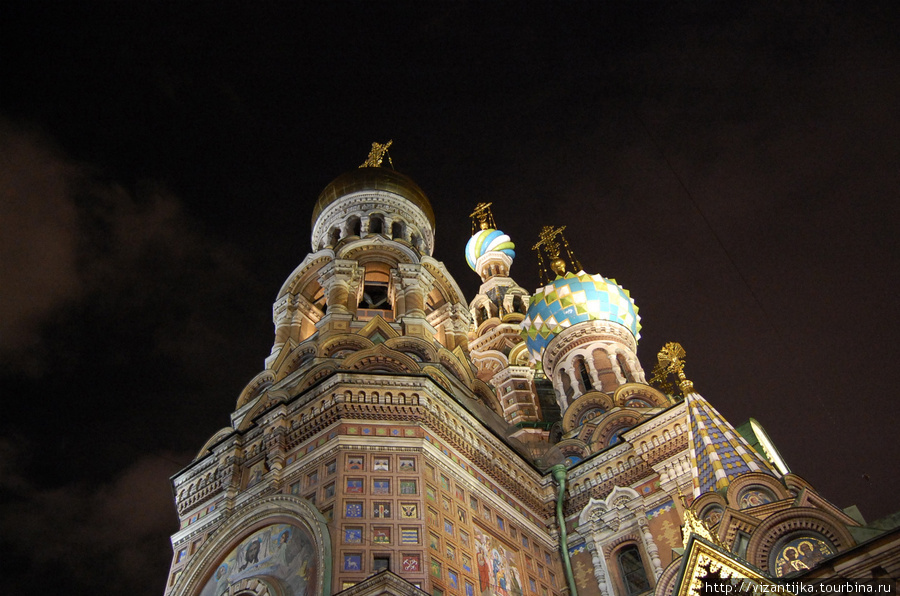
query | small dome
[486, 241]
[574, 299]
[373, 179]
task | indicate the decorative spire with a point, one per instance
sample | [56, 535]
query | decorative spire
[550, 246]
[483, 216]
[671, 359]
[376, 155]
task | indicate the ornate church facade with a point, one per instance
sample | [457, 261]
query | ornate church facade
[403, 440]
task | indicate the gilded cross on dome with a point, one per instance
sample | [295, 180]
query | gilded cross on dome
[671, 360]
[376, 155]
[550, 245]
[483, 216]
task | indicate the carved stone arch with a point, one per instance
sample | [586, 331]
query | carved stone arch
[439, 377]
[613, 424]
[256, 515]
[255, 387]
[750, 479]
[709, 507]
[442, 277]
[297, 357]
[487, 325]
[344, 342]
[454, 364]
[796, 520]
[665, 585]
[213, 440]
[414, 346]
[377, 249]
[646, 393]
[611, 547]
[313, 376]
[380, 358]
[307, 271]
[572, 450]
[590, 406]
[486, 394]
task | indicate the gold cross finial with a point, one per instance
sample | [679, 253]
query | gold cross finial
[376, 155]
[671, 359]
[483, 216]
[550, 246]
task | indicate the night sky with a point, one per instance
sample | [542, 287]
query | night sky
[734, 165]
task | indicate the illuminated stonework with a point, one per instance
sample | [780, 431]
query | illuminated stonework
[401, 439]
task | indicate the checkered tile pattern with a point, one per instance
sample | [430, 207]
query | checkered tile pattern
[574, 299]
[718, 452]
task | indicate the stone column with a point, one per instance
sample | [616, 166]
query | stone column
[650, 545]
[598, 562]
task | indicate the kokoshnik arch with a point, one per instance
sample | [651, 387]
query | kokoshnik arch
[400, 440]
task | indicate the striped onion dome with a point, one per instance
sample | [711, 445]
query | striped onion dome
[486, 241]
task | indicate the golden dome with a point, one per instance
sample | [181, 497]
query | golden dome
[373, 179]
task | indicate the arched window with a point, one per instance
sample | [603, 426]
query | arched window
[335, 236]
[518, 305]
[376, 224]
[626, 372]
[631, 568]
[582, 372]
[397, 230]
[354, 226]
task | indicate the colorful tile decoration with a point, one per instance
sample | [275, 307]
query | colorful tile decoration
[436, 568]
[353, 509]
[356, 462]
[381, 487]
[353, 562]
[448, 527]
[409, 536]
[381, 464]
[409, 510]
[381, 509]
[408, 487]
[467, 563]
[381, 535]
[453, 578]
[331, 467]
[353, 535]
[464, 538]
[407, 464]
[461, 515]
[573, 299]
[329, 491]
[445, 483]
[470, 589]
[434, 542]
[445, 503]
[411, 563]
[432, 516]
[430, 493]
[460, 494]
[354, 485]
[450, 553]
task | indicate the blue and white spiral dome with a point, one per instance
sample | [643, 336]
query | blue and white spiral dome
[486, 241]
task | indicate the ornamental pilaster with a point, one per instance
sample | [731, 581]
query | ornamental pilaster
[650, 545]
[340, 281]
[592, 541]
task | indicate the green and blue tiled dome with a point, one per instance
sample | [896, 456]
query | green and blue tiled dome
[486, 241]
[573, 299]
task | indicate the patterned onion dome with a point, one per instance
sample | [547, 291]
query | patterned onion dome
[574, 299]
[486, 241]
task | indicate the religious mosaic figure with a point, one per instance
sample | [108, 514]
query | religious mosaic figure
[284, 555]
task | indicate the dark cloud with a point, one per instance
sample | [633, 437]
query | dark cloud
[82, 536]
